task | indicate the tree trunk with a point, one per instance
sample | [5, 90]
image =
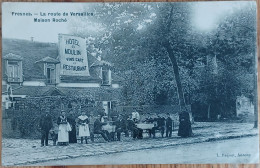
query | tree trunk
[173, 59]
[176, 74]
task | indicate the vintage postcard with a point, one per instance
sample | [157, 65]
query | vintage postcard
[129, 83]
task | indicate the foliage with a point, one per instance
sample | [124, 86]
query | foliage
[165, 61]
[231, 62]
[27, 118]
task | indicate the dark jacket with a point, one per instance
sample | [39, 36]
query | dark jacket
[131, 125]
[98, 125]
[160, 121]
[122, 123]
[45, 122]
[72, 133]
[72, 121]
[169, 122]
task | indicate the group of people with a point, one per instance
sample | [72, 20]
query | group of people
[64, 130]
[161, 123]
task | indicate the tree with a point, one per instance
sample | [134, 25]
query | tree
[167, 36]
[156, 50]
[232, 49]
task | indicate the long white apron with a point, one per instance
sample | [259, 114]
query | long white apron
[84, 130]
[63, 134]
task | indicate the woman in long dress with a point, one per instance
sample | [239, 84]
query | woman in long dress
[63, 134]
[83, 122]
[185, 125]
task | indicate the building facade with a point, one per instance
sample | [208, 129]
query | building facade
[34, 69]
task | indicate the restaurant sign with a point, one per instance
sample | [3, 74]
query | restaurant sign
[73, 56]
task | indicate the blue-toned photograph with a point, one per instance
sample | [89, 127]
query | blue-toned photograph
[129, 83]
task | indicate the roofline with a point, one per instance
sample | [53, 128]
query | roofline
[36, 62]
[70, 35]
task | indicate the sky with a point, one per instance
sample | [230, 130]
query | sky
[24, 27]
[206, 16]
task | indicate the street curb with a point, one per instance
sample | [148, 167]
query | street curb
[30, 163]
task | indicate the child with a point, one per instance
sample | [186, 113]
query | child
[83, 122]
[54, 133]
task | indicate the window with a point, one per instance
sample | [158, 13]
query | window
[50, 73]
[106, 76]
[14, 71]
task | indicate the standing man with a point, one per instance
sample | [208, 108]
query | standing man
[169, 125]
[45, 126]
[72, 133]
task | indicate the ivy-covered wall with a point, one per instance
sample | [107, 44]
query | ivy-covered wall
[23, 119]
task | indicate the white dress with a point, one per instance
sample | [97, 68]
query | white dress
[63, 134]
[83, 126]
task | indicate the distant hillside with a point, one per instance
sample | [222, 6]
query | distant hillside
[31, 52]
